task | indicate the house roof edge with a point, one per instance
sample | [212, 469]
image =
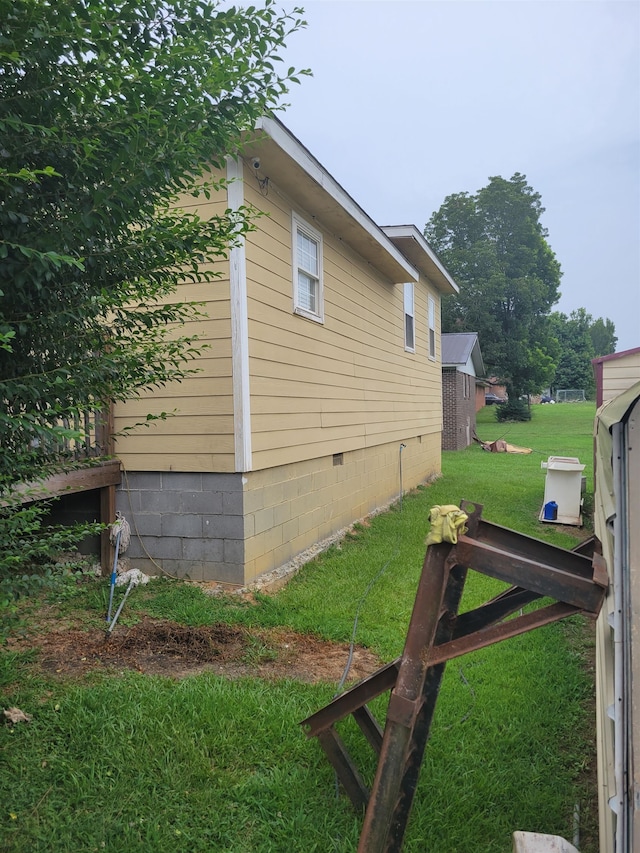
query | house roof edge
[410, 240]
[366, 237]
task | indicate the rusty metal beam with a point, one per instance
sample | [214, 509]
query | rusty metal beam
[347, 772]
[384, 678]
[421, 733]
[503, 631]
[493, 611]
[437, 633]
[370, 727]
[405, 702]
[355, 697]
[422, 728]
[555, 579]
[533, 549]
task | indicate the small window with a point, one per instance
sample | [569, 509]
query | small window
[409, 318]
[432, 327]
[307, 270]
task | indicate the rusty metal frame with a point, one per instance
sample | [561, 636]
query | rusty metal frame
[437, 633]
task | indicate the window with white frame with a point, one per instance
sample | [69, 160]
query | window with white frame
[432, 327]
[307, 270]
[409, 318]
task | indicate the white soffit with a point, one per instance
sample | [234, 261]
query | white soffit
[414, 247]
[285, 161]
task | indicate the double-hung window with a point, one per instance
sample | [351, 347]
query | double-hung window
[409, 318]
[307, 270]
[432, 327]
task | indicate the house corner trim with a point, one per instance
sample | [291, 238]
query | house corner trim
[239, 327]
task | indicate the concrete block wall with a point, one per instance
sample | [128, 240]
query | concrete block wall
[185, 523]
[233, 528]
[291, 508]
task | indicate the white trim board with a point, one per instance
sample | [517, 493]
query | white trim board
[239, 328]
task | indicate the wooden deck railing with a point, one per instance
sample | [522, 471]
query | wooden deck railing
[103, 474]
[96, 444]
[96, 430]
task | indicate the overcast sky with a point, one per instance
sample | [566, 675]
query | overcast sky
[412, 100]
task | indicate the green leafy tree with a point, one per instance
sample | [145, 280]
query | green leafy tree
[576, 350]
[603, 337]
[495, 246]
[109, 111]
[575, 335]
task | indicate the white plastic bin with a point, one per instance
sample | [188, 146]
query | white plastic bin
[563, 485]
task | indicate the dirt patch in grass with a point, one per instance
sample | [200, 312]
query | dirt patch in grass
[159, 647]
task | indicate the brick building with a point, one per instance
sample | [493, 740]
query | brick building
[462, 367]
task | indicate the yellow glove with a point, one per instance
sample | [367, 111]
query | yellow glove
[447, 522]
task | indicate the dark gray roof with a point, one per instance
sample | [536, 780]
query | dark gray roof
[458, 347]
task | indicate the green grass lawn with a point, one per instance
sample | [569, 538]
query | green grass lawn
[129, 762]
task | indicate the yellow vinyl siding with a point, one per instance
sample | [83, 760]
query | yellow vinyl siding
[319, 389]
[315, 389]
[190, 457]
[199, 434]
[199, 425]
[204, 404]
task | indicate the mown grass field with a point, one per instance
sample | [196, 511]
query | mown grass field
[124, 761]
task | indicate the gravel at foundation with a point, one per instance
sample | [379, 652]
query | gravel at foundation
[275, 579]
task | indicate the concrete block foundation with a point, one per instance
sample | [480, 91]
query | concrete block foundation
[233, 528]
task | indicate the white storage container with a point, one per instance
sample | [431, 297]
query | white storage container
[563, 486]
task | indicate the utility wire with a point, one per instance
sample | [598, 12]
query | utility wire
[363, 598]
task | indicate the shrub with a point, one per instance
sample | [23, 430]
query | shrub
[29, 557]
[513, 410]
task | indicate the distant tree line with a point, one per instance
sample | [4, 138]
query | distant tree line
[496, 248]
[580, 339]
